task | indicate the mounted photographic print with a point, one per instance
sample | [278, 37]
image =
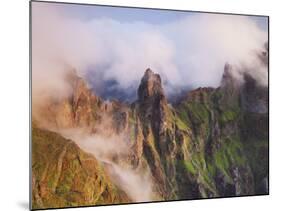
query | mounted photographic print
[133, 105]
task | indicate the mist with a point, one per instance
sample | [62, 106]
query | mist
[189, 52]
[112, 150]
[107, 148]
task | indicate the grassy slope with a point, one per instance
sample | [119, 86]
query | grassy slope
[64, 175]
[231, 151]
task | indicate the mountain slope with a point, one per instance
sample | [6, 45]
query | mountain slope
[206, 145]
[63, 175]
[197, 148]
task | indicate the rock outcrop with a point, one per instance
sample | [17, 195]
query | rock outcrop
[81, 108]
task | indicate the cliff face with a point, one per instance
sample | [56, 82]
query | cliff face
[226, 129]
[206, 145]
[79, 109]
[158, 132]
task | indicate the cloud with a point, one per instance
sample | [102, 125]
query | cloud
[190, 52]
[106, 147]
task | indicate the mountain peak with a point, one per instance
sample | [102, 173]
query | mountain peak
[148, 71]
[228, 78]
[151, 85]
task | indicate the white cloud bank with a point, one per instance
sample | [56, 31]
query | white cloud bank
[190, 52]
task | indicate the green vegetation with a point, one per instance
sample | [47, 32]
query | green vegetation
[202, 171]
[132, 125]
[64, 175]
[189, 167]
[211, 155]
[180, 123]
[257, 155]
[230, 154]
[227, 116]
[198, 111]
[195, 114]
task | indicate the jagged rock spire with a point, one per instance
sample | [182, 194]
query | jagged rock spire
[227, 77]
[150, 86]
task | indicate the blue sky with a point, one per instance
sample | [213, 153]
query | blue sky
[123, 14]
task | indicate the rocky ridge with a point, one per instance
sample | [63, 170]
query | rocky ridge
[204, 146]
